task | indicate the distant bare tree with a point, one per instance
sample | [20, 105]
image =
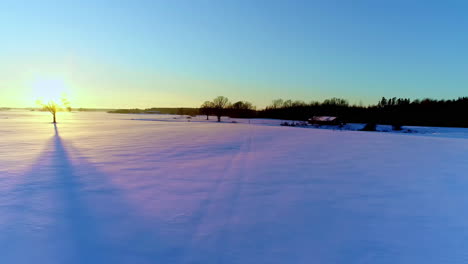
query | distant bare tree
[278, 103]
[53, 107]
[242, 109]
[206, 109]
[287, 103]
[242, 105]
[336, 101]
[220, 104]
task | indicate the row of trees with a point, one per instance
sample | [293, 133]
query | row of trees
[220, 106]
[426, 112]
[281, 109]
[394, 111]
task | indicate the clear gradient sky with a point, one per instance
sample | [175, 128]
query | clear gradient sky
[136, 53]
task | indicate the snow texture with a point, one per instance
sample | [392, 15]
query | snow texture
[108, 188]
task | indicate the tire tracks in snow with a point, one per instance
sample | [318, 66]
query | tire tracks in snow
[225, 238]
[226, 189]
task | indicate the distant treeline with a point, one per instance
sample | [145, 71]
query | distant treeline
[392, 111]
[156, 110]
[91, 109]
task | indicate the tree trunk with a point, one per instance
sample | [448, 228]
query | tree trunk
[55, 121]
[207, 117]
[219, 118]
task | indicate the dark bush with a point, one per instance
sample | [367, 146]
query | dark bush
[397, 127]
[370, 127]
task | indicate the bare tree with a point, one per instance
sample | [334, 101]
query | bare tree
[206, 109]
[337, 102]
[278, 103]
[220, 104]
[242, 109]
[243, 105]
[54, 107]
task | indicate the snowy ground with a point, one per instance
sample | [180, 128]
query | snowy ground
[108, 188]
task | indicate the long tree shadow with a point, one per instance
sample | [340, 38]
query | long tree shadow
[68, 212]
[83, 229]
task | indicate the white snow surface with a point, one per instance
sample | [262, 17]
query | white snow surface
[109, 188]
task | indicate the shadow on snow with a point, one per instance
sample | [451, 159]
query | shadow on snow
[66, 211]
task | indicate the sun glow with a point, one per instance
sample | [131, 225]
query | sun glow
[49, 89]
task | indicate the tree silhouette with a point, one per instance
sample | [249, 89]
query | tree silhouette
[242, 109]
[53, 107]
[220, 104]
[206, 109]
[278, 103]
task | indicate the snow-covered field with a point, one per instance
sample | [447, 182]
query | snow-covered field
[109, 188]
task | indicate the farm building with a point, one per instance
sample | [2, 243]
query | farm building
[325, 120]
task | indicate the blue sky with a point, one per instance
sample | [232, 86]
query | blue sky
[180, 53]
